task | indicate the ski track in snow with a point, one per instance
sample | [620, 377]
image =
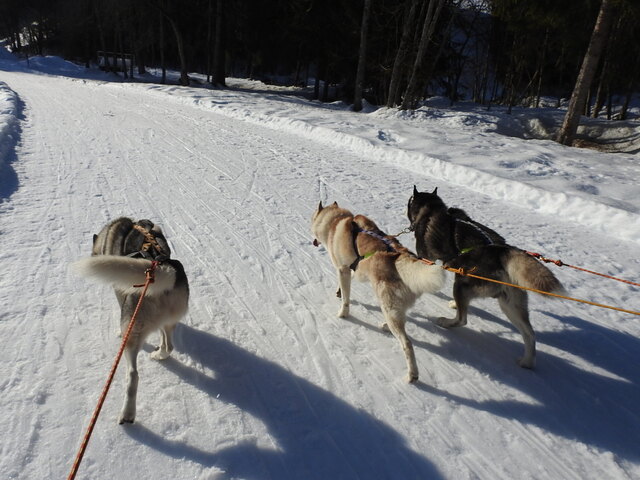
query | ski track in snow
[266, 382]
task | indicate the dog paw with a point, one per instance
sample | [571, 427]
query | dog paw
[529, 363]
[412, 377]
[449, 322]
[159, 354]
[122, 419]
[343, 313]
[452, 304]
[385, 328]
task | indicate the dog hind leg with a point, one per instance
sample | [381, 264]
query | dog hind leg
[128, 412]
[136, 338]
[396, 324]
[514, 304]
[166, 343]
[394, 304]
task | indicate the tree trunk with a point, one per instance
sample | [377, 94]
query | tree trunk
[120, 44]
[625, 105]
[218, 77]
[600, 94]
[208, 49]
[599, 38]
[411, 94]
[541, 72]
[101, 37]
[163, 64]
[324, 97]
[401, 54]
[362, 57]
[184, 76]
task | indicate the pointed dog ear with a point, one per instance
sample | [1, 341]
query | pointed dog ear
[415, 190]
[435, 191]
[335, 204]
[320, 207]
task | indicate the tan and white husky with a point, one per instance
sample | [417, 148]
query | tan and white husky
[398, 278]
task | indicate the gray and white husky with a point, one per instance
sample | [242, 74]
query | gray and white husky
[448, 234]
[398, 278]
[121, 254]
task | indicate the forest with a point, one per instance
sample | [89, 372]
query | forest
[387, 52]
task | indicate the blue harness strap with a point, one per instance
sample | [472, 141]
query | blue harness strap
[386, 240]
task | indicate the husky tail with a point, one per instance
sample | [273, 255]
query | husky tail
[526, 271]
[125, 272]
[418, 276]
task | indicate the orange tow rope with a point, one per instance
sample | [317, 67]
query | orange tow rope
[76, 464]
[462, 271]
[560, 263]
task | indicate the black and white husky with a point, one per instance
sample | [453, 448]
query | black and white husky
[397, 277]
[448, 234]
[121, 254]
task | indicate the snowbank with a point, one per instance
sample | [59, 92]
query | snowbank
[8, 120]
[586, 210]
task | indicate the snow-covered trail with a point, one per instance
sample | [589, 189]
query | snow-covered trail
[267, 383]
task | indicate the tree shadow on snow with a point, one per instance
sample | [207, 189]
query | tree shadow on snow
[317, 434]
[597, 407]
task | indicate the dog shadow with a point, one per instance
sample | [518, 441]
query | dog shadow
[593, 407]
[318, 434]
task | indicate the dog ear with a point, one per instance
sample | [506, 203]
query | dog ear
[415, 190]
[335, 204]
[435, 191]
[320, 207]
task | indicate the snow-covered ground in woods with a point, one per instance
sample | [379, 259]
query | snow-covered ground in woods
[266, 383]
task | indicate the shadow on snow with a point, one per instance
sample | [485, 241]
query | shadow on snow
[598, 408]
[318, 435]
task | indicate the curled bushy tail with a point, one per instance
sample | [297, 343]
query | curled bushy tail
[418, 276]
[526, 271]
[125, 272]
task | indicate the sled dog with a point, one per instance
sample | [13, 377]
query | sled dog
[448, 234]
[122, 252]
[398, 278]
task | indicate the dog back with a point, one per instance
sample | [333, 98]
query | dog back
[123, 236]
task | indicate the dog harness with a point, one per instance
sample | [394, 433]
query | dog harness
[489, 240]
[355, 230]
[150, 249]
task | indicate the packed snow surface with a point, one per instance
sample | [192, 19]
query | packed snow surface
[266, 382]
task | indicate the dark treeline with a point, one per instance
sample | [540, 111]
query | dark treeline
[512, 52]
